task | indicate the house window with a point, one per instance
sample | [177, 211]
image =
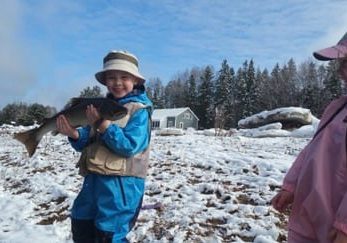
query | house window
[155, 124]
[187, 116]
[171, 121]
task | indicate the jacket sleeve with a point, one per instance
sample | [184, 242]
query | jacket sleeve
[289, 182]
[82, 140]
[132, 139]
[341, 216]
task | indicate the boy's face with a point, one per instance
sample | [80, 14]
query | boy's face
[119, 83]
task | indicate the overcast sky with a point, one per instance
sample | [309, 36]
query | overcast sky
[50, 50]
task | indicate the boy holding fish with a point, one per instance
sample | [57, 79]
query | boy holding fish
[114, 157]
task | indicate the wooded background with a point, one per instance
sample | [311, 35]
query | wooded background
[221, 98]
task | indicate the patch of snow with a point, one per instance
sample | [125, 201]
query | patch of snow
[213, 189]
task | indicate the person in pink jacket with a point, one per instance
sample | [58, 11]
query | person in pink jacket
[316, 184]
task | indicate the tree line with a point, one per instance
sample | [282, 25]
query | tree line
[21, 113]
[221, 98]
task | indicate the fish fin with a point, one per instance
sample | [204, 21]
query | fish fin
[55, 132]
[29, 139]
[76, 100]
[45, 120]
[72, 102]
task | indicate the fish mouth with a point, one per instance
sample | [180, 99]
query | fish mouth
[116, 115]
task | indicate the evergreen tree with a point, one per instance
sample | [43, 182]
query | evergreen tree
[16, 113]
[310, 93]
[191, 94]
[149, 92]
[274, 87]
[93, 92]
[88, 92]
[252, 90]
[241, 92]
[205, 97]
[174, 95]
[321, 74]
[287, 85]
[157, 93]
[222, 85]
[332, 81]
[291, 79]
[37, 112]
[263, 80]
[169, 103]
[224, 97]
[22, 114]
[231, 120]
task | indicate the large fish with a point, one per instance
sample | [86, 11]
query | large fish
[76, 114]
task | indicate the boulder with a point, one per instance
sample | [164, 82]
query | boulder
[289, 117]
[169, 132]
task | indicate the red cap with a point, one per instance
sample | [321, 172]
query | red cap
[333, 52]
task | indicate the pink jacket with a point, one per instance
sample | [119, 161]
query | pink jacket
[318, 178]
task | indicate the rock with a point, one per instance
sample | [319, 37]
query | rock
[289, 117]
[169, 132]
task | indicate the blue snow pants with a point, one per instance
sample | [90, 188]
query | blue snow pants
[106, 208]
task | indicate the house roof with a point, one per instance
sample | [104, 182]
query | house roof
[159, 114]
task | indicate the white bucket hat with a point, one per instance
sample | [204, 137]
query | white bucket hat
[122, 61]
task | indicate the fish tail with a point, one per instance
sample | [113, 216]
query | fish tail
[30, 139]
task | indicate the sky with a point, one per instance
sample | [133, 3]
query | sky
[50, 50]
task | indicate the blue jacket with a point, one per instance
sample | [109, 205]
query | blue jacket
[128, 141]
[102, 197]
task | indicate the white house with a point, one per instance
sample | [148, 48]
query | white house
[174, 117]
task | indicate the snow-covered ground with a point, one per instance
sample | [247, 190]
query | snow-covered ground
[214, 189]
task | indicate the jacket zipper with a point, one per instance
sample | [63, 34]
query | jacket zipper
[122, 191]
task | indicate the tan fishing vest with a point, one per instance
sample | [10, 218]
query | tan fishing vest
[99, 159]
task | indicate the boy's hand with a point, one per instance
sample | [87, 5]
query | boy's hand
[103, 126]
[282, 200]
[92, 115]
[337, 236]
[65, 128]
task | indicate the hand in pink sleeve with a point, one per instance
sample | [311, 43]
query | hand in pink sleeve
[289, 182]
[340, 223]
[337, 236]
[282, 200]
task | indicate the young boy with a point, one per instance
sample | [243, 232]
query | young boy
[115, 160]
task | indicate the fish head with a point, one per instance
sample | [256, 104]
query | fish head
[112, 110]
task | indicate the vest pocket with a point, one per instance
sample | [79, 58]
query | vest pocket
[115, 163]
[103, 161]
